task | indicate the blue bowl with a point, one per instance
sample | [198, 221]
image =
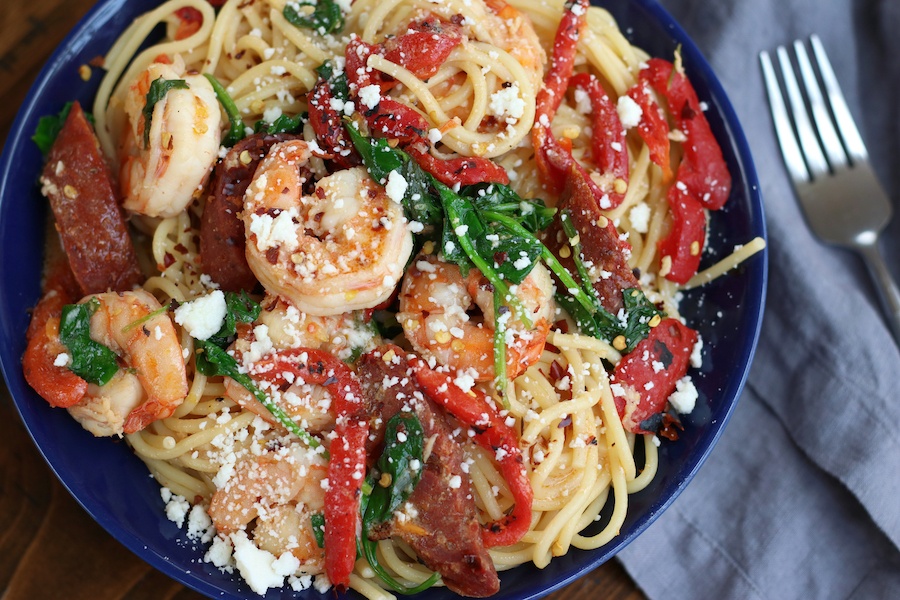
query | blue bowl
[114, 486]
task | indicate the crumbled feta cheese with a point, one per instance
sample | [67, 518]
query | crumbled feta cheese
[639, 216]
[396, 186]
[62, 360]
[506, 102]
[258, 567]
[685, 396]
[200, 526]
[455, 482]
[176, 506]
[271, 114]
[370, 96]
[697, 353]
[204, 316]
[629, 112]
[272, 233]
[219, 553]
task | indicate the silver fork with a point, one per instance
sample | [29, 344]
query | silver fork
[840, 195]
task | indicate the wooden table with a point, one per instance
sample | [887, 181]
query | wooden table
[49, 547]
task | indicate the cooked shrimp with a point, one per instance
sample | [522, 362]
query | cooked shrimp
[103, 409]
[340, 249]
[434, 311]
[513, 31]
[281, 326]
[159, 177]
[280, 490]
[151, 384]
[151, 351]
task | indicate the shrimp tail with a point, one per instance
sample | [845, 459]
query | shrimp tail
[57, 385]
[145, 414]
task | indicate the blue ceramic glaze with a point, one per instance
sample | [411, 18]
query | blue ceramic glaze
[115, 487]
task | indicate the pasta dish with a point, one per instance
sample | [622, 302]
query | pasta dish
[385, 294]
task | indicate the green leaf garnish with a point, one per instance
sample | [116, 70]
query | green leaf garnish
[380, 501]
[318, 527]
[236, 130]
[340, 87]
[325, 18]
[158, 90]
[92, 361]
[212, 360]
[48, 128]
[283, 124]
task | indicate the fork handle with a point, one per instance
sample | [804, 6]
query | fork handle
[887, 287]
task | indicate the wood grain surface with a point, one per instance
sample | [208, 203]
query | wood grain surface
[50, 548]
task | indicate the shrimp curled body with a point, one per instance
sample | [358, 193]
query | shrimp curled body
[282, 327]
[150, 383]
[280, 489]
[160, 171]
[435, 302]
[340, 249]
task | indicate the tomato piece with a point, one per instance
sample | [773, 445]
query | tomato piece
[703, 169]
[608, 147]
[653, 128]
[646, 377]
[423, 51]
[684, 244]
[492, 434]
[601, 246]
[347, 467]
[191, 22]
[463, 170]
[328, 126]
[552, 160]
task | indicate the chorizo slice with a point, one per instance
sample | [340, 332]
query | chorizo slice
[443, 526]
[77, 181]
[222, 239]
[601, 246]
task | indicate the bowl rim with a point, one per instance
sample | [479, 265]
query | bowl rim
[98, 15]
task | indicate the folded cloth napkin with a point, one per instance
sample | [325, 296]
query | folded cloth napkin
[801, 497]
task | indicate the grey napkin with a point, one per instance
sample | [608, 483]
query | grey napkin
[801, 497]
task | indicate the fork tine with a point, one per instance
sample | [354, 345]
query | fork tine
[830, 141]
[855, 146]
[786, 139]
[811, 149]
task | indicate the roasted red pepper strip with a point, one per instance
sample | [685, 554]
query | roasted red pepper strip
[358, 74]
[684, 244]
[653, 128]
[657, 363]
[493, 435]
[347, 467]
[608, 147]
[191, 21]
[391, 119]
[703, 169]
[552, 160]
[423, 51]
[464, 170]
[328, 125]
